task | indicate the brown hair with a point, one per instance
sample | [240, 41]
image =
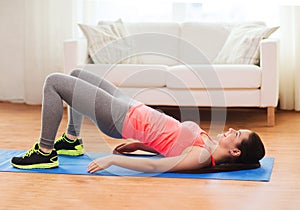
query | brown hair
[252, 149]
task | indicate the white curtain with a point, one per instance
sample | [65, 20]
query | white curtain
[31, 42]
[290, 57]
[47, 24]
[12, 50]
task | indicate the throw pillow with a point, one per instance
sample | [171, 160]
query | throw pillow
[242, 44]
[109, 43]
[117, 27]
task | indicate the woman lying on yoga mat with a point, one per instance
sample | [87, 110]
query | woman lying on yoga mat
[185, 146]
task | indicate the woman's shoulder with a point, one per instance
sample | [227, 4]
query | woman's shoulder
[193, 127]
[203, 155]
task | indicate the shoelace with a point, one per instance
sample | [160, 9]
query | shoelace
[29, 152]
[60, 139]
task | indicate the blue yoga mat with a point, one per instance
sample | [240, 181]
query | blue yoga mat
[78, 165]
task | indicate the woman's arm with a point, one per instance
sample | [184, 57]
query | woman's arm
[197, 157]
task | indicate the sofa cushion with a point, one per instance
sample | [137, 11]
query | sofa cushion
[213, 76]
[129, 75]
[155, 43]
[196, 46]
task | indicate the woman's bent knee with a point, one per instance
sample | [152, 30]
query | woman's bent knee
[75, 72]
[53, 79]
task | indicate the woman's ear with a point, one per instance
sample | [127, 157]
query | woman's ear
[235, 152]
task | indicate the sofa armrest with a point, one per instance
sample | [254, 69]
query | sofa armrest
[75, 53]
[269, 62]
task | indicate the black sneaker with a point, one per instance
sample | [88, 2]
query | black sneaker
[34, 158]
[65, 146]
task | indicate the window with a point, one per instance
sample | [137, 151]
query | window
[91, 11]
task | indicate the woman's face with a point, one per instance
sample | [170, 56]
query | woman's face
[232, 138]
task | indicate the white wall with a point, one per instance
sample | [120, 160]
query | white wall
[12, 46]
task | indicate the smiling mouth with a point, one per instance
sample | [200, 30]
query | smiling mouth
[221, 135]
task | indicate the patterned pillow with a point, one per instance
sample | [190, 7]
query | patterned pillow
[242, 44]
[109, 43]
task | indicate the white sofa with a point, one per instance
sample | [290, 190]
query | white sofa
[176, 68]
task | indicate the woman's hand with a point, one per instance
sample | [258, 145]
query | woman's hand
[100, 164]
[126, 148]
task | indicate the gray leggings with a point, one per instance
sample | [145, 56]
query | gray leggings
[86, 94]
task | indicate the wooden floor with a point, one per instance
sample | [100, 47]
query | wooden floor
[20, 127]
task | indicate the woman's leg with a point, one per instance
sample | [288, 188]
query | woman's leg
[99, 82]
[75, 118]
[107, 111]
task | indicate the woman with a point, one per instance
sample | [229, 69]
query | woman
[185, 145]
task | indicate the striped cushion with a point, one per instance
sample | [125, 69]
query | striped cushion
[242, 44]
[107, 43]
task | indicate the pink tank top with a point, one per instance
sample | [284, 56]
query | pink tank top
[163, 133]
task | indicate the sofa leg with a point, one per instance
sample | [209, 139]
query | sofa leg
[270, 116]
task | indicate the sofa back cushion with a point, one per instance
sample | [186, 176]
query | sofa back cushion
[202, 41]
[156, 43]
[172, 43]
